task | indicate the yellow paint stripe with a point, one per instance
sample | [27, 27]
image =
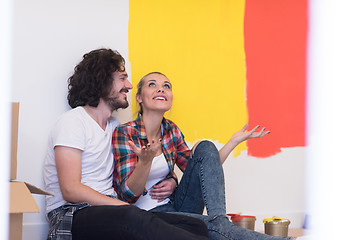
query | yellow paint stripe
[199, 45]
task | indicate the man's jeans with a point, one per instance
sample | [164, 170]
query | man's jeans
[203, 185]
[127, 222]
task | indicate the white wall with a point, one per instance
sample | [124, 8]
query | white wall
[5, 76]
[333, 134]
[267, 187]
[50, 38]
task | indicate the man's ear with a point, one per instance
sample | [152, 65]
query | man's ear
[138, 98]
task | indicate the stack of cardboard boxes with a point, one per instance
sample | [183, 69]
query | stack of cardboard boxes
[21, 200]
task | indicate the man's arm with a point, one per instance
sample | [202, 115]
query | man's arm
[68, 165]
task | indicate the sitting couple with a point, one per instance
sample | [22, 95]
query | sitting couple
[137, 196]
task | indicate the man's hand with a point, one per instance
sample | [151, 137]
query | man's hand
[163, 190]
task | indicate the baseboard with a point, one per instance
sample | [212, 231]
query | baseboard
[35, 231]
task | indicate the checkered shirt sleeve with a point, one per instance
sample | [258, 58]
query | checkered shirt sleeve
[175, 145]
[125, 161]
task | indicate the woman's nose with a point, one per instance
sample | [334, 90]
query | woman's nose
[160, 90]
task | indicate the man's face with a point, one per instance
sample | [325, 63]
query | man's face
[120, 87]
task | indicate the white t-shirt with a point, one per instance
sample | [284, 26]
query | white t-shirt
[159, 170]
[77, 129]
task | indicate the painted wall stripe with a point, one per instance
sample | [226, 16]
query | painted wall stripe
[275, 35]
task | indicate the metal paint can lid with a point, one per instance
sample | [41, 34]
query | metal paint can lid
[276, 220]
[239, 217]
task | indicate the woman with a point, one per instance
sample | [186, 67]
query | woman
[145, 151]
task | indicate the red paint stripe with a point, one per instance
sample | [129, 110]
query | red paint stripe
[275, 35]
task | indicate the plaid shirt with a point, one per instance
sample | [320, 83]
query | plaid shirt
[60, 221]
[173, 147]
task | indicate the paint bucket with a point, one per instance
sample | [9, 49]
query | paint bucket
[277, 226]
[244, 221]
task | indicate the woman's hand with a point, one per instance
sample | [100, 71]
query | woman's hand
[163, 190]
[243, 135]
[146, 153]
[137, 180]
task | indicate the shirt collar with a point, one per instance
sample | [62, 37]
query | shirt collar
[140, 126]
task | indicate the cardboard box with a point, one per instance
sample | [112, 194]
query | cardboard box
[14, 139]
[21, 200]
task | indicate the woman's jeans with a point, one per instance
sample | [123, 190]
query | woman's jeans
[202, 184]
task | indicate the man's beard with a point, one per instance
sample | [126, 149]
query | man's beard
[114, 103]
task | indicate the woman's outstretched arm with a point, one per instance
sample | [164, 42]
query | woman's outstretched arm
[239, 137]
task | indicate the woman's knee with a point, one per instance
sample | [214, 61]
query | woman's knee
[207, 149]
[206, 145]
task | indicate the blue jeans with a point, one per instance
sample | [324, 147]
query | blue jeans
[84, 222]
[203, 184]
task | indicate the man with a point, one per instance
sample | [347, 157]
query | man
[79, 163]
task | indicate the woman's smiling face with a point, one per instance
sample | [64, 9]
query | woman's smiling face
[156, 93]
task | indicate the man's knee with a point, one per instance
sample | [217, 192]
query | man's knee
[131, 212]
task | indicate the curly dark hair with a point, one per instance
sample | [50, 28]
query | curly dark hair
[92, 78]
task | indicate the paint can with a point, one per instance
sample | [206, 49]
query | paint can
[276, 226]
[244, 221]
